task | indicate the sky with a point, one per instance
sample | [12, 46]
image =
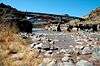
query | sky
[77, 8]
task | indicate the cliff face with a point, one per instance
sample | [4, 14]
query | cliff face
[95, 14]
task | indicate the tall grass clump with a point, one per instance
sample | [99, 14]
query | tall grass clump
[13, 49]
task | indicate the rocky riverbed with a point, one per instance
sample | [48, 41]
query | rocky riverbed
[67, 49]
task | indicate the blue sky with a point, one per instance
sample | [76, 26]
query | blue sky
[71, 7]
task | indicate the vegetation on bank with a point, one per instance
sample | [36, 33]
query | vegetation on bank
[14, 50]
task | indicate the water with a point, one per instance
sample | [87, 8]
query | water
[47, 32]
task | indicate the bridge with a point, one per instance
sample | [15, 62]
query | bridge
[35, 15]
[51, 17]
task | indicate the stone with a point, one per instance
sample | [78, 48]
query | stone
[66, 58]
[52, 63]
[86, 50]
[43, 64]
[60, 64]
[96, 53]
[47, 60]
[74, 29]
[63, 50]
[48, 53]
[68, 64]
[83, 63]
[17, 56]
[79, 46]
[39, 45]
[32, 45]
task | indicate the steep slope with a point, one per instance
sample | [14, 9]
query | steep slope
[95, 14]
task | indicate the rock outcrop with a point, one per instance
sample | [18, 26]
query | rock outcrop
[95, 14]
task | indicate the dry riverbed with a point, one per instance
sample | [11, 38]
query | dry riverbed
[67, 49]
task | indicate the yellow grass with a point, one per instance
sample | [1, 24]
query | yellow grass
[13, 45]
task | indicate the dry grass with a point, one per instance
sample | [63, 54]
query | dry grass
[13, 49]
